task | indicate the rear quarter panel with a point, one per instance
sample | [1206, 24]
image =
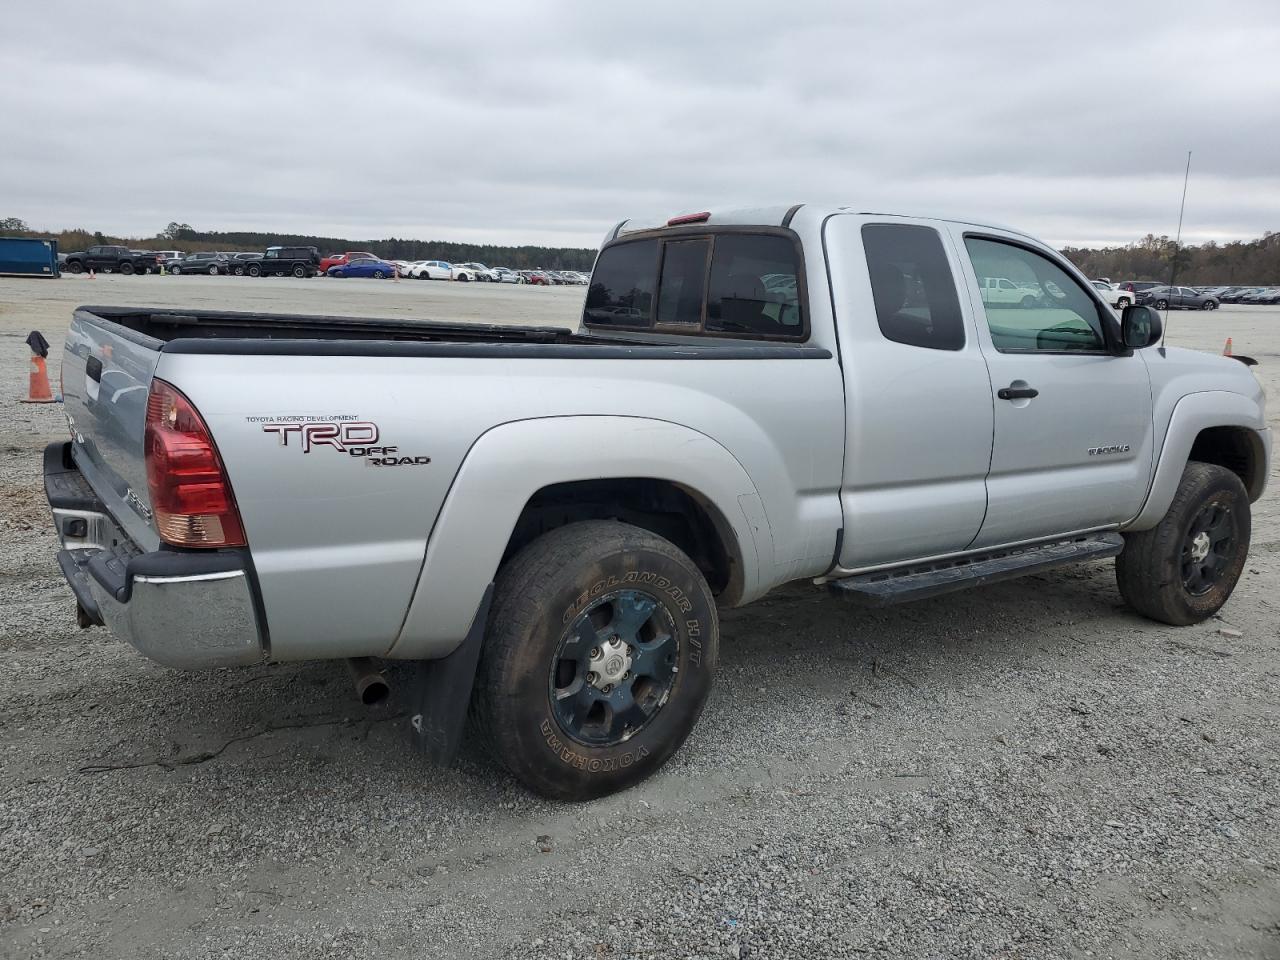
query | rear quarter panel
[339, 544]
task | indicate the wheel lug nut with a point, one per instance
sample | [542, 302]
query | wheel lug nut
[608, 688]
[595, 651]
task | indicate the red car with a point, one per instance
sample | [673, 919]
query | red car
[338, 259]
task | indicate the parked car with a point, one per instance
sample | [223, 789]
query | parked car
[1001, 291]
[211, 263]
[536, 277]
[364, 267]
[507, 275]
[1176, 298]
[431, 270]
[544, 521]
[334, 259]
[473, 271]
[108, 259]
[286, 261]
[1262, 295]
[240, 262]
[1137, 286]
[1113, 295]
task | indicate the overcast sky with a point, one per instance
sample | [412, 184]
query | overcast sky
[491, 122]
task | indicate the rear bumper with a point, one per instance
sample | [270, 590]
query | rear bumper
[182, 608]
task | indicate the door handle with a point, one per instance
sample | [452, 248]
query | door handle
[1017, 393]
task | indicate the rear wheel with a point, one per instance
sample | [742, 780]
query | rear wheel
[299, 271]
[599, 654]
[175, 270]
[1028, 302]
[255, 270]
[1123, 302]
[1208, 305]
[1183, 570]
[126, 269]
[238, 271]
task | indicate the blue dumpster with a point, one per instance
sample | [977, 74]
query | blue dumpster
[21, 256]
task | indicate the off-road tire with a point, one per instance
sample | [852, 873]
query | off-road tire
[75, 266]
[537, 596]
[1149, 570]
[255, 270]
[299, 271]
[126, 269]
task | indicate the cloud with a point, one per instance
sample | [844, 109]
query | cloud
[520, 123]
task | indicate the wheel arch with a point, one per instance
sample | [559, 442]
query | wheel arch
[1218, 427]
[526, 477]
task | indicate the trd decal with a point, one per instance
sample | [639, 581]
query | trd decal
[340, 436]
[356, 438]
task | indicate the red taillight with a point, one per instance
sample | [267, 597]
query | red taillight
[702, 217]
[190, 496]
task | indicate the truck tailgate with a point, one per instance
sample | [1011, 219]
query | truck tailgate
[106, 374]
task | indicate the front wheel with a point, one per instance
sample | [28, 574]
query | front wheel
[599, 654]
[1162, 304]
[1208, 305]
[1122, 303]
[175, 270]
[214, 271]
[378, 274]
[1183, 570]
[255, 270]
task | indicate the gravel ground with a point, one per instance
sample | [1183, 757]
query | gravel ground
[1027, 770]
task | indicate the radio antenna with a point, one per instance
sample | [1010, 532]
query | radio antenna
[1177, 249]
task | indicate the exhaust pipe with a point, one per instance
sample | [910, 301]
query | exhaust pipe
[371, 686]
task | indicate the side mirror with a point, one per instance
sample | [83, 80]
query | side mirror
[1140, 326]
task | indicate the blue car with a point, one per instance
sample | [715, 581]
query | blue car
[363, 267]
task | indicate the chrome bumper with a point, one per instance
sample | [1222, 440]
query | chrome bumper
[187, 609]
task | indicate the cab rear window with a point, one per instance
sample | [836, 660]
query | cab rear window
[737, 284]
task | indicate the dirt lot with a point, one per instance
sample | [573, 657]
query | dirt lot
[1028, 770]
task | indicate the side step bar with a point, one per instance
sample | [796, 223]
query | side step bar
[929, 580]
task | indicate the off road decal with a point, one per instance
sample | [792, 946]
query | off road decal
[590, 764]
[343, 433]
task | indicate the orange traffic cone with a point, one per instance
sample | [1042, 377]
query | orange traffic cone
[1226, 351]
[38, 391]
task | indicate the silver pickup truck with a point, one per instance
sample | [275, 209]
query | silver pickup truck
[546, 520]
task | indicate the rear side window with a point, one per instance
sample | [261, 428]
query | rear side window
[622, 286]
[914, 290]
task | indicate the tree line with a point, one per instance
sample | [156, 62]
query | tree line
[1251, 262]
[1239, 263]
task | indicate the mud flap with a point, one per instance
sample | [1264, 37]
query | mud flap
[441, 691]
